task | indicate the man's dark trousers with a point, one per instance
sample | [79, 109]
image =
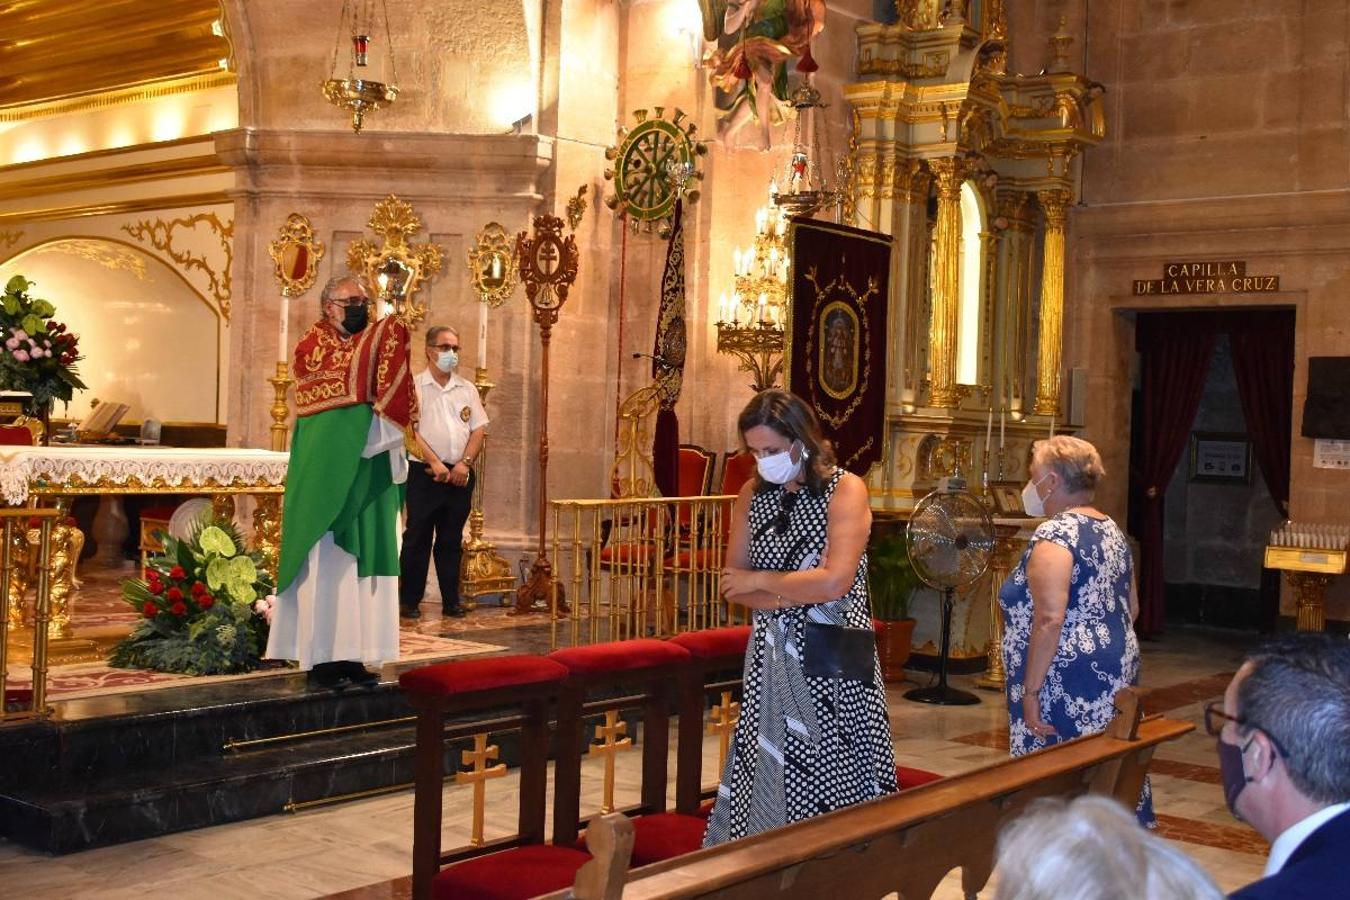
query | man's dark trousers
[435, 529]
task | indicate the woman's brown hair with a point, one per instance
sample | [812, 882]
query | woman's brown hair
[786, 414]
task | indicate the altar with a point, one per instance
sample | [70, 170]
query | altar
[52, 476]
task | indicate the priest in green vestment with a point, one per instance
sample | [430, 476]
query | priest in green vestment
[337, 580]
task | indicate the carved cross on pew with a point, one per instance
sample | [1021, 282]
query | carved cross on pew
[609, 734]
[722, 721]
[477, 776]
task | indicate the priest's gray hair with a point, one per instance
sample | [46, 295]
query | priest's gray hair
[1077, 462]
[330, 287]
[1092, 848]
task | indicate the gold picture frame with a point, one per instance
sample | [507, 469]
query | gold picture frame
[1006, 498]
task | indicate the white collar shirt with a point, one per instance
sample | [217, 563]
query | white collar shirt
[1295, 834]
[449, 415]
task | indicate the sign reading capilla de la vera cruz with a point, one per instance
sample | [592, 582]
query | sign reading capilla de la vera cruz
[1207, 277]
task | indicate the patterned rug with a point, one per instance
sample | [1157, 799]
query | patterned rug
[92, 679]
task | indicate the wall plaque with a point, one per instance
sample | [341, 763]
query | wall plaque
[1207, 277]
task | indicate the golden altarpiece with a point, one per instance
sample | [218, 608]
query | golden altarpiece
[971, 169]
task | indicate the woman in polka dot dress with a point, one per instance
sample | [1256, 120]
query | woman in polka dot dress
[804, 745]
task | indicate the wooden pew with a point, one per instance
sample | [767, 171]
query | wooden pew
[906, 842]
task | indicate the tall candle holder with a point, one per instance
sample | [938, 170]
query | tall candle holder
[295, 257]
[492, 270]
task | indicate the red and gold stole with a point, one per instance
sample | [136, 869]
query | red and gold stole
[372, 367]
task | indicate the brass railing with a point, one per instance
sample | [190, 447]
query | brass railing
[23, 531]
[640, 567]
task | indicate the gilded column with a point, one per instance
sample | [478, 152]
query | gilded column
[946, 280]
[1054, 204]
[911, 205]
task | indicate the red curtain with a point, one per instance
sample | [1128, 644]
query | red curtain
[1263, 359]
[1174, 354]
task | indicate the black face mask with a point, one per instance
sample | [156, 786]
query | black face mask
[354, 318]
[1232, 773]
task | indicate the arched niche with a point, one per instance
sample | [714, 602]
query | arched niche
[149, 339]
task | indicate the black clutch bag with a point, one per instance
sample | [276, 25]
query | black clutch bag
[833, 651]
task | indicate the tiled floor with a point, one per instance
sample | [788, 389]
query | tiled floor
[362, 849]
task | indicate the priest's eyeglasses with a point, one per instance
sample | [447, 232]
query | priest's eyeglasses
[348, 301]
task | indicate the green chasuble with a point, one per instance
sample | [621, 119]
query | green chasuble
[331, 487]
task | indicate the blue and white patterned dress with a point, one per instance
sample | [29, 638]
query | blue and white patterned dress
[1098, 652]
[803, 745]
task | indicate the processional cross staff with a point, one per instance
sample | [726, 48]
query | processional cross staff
[548, 267]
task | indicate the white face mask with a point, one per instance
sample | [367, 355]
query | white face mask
[780, 468]
[446, 360]
[1031, 498]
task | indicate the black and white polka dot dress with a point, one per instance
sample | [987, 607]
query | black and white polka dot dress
[804, 745]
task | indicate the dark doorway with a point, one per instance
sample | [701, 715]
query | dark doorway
[1209, 452]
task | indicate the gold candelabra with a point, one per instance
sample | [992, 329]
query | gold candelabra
[482, 571]
[751, 323]
[281, 383]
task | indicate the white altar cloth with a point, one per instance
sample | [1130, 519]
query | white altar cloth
[131, 470]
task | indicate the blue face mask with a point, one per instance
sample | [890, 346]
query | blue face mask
[446, 361]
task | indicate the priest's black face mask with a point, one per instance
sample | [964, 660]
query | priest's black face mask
[354, 318]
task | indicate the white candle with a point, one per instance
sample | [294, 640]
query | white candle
[988, 428]
[482, 335]
[283, 347]
[1001, 417]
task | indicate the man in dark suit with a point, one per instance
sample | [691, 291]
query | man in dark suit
[1283, 734]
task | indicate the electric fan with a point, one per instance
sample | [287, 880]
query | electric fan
[950, 540]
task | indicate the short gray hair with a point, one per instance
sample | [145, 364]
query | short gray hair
[1074, 460]
[1090, 848]
[331, 285]
[1298, 693]
[435, 331]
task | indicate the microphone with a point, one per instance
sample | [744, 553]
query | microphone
[659, 360]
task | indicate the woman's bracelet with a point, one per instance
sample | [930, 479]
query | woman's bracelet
[777, 601]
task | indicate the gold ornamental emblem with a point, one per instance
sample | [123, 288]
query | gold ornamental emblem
[464, 414]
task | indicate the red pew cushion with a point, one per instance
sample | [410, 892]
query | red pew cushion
[711, 642]
[906, 777]
[515, 874]
[467, 676]
[620, 656]
[662, 836]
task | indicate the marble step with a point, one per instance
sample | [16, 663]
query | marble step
[207, 791]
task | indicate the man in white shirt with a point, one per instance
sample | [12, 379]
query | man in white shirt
[450, 434]
[1284, 756]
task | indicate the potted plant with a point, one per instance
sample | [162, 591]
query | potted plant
[891, 579]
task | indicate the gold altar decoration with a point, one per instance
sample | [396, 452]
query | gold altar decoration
[396, 268]
[477, 775]
[493, 267]
[1311, 556]
[161, 235]
[295, 257]
[1006, 550]
[751, 324]
[946, 284]
[1054, 204]
[493, 271]
[548, 266]
[12, 522]
[359, 93]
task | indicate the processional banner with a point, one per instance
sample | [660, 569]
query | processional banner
[837, 338]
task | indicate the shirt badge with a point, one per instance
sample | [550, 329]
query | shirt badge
[464, 414]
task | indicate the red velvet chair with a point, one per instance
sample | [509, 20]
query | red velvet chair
[17, 436]
[653, 669]
[510, 868]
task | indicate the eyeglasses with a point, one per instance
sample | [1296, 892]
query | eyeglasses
[454, 347]
[348, 301]
[783, 519]
[1215, 718]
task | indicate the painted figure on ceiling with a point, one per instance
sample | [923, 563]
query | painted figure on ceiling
[755, 39]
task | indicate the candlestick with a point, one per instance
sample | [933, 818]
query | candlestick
[482, 334]
[1002, 414]
[988, 429]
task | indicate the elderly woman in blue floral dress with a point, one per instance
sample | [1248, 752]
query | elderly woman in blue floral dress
[1068, 609]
